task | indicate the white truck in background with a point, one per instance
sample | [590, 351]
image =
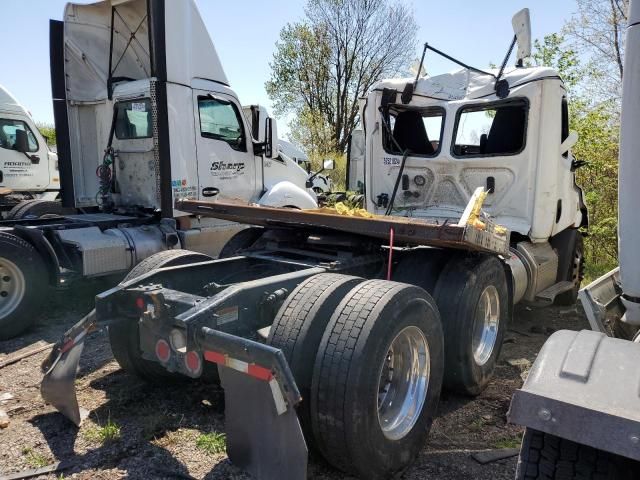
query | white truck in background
[290, 161]
[144, 115]
[318, 182]
[28, 168]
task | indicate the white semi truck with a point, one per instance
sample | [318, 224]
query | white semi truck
[341, 329]
[580, 402]
[144, 115]
[28, 168]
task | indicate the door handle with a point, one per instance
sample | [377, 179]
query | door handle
[210, 191]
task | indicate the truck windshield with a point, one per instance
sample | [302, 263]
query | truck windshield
[416, 130]
[493, 129]
[133, 119]
[8, 129]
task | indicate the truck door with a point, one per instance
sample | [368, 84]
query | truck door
[22, 171]
[226, 164]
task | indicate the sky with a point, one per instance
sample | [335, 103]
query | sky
[245, 32]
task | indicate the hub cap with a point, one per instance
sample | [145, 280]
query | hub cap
[403, 383]
[485, 327]
[12, 287]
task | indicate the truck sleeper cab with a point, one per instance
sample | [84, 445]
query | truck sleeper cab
[144, 116]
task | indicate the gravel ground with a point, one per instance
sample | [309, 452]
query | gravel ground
[135, 430]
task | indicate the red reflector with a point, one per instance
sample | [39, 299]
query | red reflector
[259, 372]
[192, 361]
[163, 352]
[140, 303]
[214, 357]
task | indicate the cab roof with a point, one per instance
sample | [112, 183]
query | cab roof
[466, 84]
[8, 102]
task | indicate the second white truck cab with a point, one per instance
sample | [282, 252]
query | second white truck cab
[430, 142]
[28, 168]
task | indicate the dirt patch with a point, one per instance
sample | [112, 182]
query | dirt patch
[137, 430]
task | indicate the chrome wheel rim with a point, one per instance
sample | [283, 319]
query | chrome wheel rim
[485, 329]
[403, 383]
[12, 287]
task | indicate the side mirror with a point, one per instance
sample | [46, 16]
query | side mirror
[271, 138]
[329, 164]
[22, 142]
[569, 142]
[521, 22]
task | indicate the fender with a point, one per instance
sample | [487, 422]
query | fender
[583, 387]
[287, 194]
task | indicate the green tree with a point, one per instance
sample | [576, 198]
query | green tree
[324, 63]
[48, 131]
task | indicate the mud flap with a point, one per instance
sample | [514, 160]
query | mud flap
[259, 440]
[264, 436]
[60, 368]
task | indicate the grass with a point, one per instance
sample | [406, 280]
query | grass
[35, 459]
[109, 432]
[213, 442]
[512, 442]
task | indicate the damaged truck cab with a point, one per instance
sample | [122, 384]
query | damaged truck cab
[426, 153]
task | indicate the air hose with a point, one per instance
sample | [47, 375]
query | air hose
[106, 171]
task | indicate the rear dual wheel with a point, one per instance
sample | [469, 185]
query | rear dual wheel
[473, 299]
[376, 375]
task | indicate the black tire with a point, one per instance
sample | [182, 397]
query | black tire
[458, 294]
[124, 335]
[19, 258]
[37, 209]
[349, 366]
[420, 268]
[574, 274]
[547, 457]
[299, 326]
[240, 241]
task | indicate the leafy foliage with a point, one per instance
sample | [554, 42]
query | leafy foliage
[49, 132]
[324, 63]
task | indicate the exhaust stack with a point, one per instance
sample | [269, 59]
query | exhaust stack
[629, 172]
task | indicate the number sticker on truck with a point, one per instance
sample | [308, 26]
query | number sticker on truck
[138, 107]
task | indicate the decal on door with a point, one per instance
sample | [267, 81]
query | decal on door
[227, 169]
[181, 189]
[18, 169]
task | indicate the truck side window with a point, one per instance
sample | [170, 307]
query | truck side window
[419, 131]
[220, 120]
[133, 119]
[8, 133]
[494, 129]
